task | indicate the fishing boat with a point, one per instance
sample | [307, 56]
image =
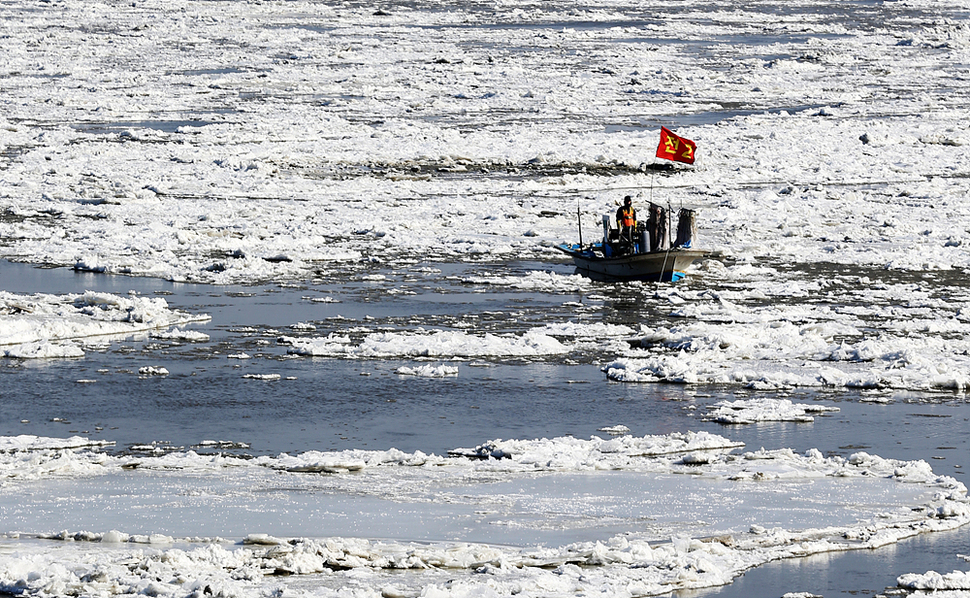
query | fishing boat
[645, 252]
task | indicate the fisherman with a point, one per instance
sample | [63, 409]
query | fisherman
[626, 219]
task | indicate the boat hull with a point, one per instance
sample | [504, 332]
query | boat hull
[658, 266]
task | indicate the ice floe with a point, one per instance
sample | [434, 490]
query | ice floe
[429, 371]
[61, 561]
[746, 411]
[438, 343]
[936, 583]
[42, 325]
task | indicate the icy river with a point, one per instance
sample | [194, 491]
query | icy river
[281, 312]
[224, 432]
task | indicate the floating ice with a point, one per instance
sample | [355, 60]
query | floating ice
[935, 582]
[42, 350]
[746, 411]
[429, 371]
[182, 335]
[269, 377]
[617, 430]
[51, 325]
[440, 343]
[577, 454]
[763, 349]
[27, 443]
[63, 561]
[540, 281]
[151, 370]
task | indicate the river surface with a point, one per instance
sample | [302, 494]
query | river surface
[336, 404]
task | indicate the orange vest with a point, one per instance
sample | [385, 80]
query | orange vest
[626, 217]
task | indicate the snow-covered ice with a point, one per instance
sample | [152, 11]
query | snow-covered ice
[58, 326]
[441, 343]
[344, 133]
[871, 502]
[429, 371]
[936, 582]
[746, 411]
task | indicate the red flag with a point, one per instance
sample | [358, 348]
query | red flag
[675, 148]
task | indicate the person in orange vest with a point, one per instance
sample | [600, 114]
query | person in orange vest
[626, 219]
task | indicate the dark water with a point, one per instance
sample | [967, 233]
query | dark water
[354, 403]
[324, 403]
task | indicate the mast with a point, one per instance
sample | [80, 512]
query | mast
[579, 222]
